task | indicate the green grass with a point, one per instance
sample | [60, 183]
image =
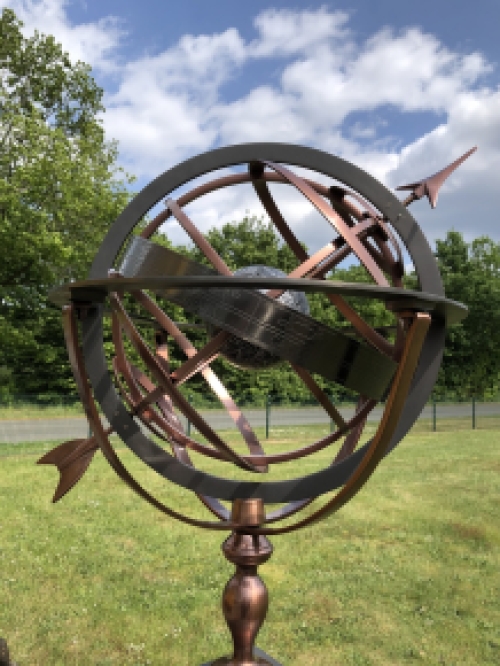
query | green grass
[407, 573]
[30, 411]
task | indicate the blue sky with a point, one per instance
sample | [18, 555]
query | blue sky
[399, 88]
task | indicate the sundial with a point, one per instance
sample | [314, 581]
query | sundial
[255, 317]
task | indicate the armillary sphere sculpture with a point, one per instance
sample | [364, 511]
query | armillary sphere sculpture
[254, 317]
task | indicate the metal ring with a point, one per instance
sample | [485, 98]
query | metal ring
[104, 391]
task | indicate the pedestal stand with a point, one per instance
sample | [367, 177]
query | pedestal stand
[245, 598]
[4, 654]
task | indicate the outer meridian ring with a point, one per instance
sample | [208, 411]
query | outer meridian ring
[278, 491]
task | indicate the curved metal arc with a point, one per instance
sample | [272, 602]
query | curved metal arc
[217, 184]
[256, 173]
[198, 238]
[95, 291]
[322, 162]
[274, 213]
[180, 451]
[335, 220]
[352, 439]
[201, 360]
[168, 422]
[209, 375]
[135, 375]
[239, 179]
[320, 395]
[277, 457]
[78, 367]
[158, 424]
[164, 381]
[325, 441]
[386, 429]
[218, 509]
[192, 195]
[363, 408]
[207, 188]
[259, 459]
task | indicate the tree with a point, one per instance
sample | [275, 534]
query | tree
[59, 192]
[471, 274]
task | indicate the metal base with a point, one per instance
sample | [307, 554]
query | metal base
[259, 654]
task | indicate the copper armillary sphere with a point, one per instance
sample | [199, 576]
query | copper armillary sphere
[254, 317]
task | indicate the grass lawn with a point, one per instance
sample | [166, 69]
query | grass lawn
[31, 412]
[407, 573]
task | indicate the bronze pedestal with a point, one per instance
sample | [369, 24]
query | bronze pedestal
[261, 656]
[245, 598]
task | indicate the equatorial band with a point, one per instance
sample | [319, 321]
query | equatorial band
[266, 323]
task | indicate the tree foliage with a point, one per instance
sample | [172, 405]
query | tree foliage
[471, 274]
[59, 191]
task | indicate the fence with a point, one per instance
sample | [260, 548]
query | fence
[60, 418]
[436, 416]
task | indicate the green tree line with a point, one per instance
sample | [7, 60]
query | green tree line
[60, 189]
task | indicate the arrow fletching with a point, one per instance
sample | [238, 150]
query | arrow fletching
[72, 460]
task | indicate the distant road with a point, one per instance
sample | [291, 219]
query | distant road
[62, 429]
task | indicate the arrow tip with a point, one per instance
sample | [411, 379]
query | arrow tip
[430, 186]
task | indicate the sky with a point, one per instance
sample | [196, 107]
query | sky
[400, 89]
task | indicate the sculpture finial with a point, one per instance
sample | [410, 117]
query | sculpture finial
[431, 186]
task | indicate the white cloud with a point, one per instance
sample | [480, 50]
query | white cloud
[286, 32]
[265, 114]
[161, 110]
[412, 72]
[320, 87]
[93, 43]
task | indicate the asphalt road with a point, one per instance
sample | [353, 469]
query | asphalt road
[62, 429]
